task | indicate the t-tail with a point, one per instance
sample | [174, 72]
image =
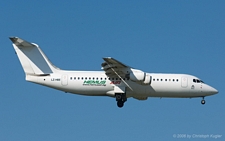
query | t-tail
[32, 59]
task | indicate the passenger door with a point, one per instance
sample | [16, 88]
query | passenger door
[184, 82]
[64, 80]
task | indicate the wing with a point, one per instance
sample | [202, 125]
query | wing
[110, 60]
[114, 67]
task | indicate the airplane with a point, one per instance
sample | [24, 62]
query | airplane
[117, 80]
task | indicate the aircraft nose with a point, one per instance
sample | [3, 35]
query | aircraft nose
[212, 90]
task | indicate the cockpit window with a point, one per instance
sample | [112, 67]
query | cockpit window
[197, 81]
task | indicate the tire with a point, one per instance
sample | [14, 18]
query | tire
[118, 97]
[120, 104]
[203, 102]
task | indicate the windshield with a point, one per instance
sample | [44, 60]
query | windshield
[197, 81]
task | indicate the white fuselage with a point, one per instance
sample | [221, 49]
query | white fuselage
[96, 83]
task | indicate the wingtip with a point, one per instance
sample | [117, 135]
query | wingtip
[20, 42]
[107, 57]
[13, 39]
[16, 40]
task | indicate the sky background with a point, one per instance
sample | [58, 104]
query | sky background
[155, 36]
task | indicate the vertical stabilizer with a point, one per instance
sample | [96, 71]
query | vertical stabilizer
[32, 59]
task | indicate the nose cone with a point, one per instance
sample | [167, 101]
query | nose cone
[214, 91]
[210, 90]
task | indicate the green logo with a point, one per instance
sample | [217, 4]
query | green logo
[94, 83]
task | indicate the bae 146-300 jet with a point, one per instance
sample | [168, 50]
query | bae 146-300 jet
[117, 80]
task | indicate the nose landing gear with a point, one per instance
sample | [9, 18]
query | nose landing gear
[203, 101]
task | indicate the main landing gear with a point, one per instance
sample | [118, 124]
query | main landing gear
[121, 99]
[203, 101]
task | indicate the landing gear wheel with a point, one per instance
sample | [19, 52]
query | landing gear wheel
[203, 102]
[121, 99]
[118, 97]
[120, 104]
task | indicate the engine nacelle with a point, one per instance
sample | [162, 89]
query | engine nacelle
[147, 80]
[137, 75]
[140, 77]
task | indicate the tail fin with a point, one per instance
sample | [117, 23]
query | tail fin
[32, 59]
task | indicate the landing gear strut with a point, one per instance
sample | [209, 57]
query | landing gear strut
[121, 98]
[203, 101]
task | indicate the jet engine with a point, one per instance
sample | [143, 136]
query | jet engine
[140, 77]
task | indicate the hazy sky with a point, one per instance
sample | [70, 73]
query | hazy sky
[155, 36]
